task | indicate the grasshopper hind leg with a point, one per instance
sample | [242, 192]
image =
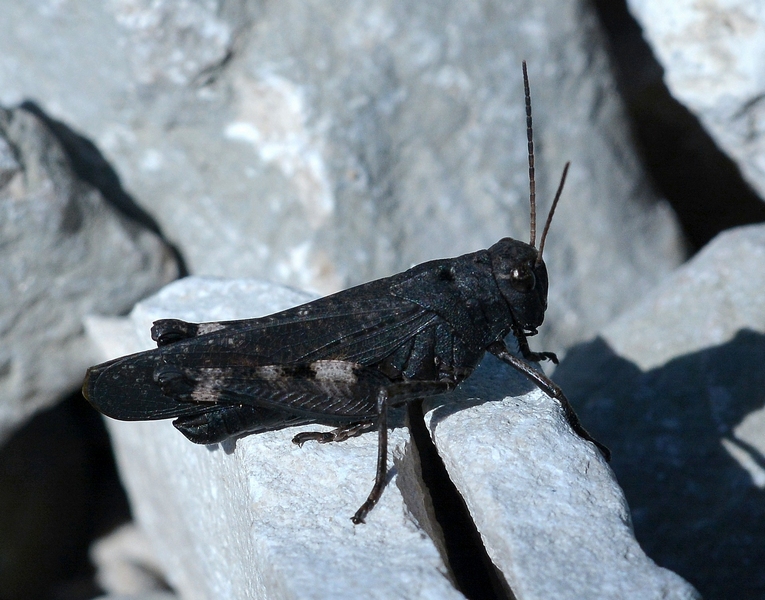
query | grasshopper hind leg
[390, 395]
[340, 434]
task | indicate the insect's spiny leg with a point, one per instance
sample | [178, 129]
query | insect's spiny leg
[382, 459]
[546, 384]
[340, 434]
[392, 395]
[322, 437]
[523, 346]
[354, 430]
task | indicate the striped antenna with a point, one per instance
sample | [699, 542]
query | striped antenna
[532, 181]
[552, 211]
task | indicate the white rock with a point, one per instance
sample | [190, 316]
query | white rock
[713, 54]
[703, 304]
[548, 507]
[125, 563]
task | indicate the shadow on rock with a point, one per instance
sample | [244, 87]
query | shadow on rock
[90, 165]
[674, 432]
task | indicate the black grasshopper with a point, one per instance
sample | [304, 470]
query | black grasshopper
[344, 359]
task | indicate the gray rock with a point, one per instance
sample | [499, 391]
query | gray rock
[125, 564]
[324, 144]
[712, 58]
[675, 388]
[705, 303]
[550, 512]
[262, 517]
[64, 253]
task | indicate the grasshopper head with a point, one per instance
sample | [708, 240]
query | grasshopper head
[518, 267]
[522, 280]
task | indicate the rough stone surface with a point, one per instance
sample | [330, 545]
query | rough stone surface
[675, 388]
[705, 303]
[550, 512]
[324, 144]
[263, 518]
[125, 563]
[63, 253]
[712, 53]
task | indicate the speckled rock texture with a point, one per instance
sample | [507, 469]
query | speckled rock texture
[713, 54]
[64, 253]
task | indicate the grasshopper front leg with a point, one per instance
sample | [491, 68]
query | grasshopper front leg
[546, 384]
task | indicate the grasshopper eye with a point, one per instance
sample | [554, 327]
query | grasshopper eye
[522, 279]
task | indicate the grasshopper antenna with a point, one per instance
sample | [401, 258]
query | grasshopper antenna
[532, 182]
[552, 211]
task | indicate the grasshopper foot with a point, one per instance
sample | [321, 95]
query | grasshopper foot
[339, 434]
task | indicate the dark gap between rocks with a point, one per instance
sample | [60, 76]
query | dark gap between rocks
[59, 492]
[473, 572]
[700, 181]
